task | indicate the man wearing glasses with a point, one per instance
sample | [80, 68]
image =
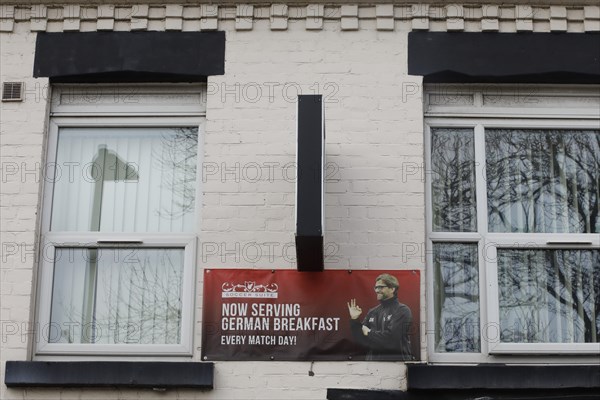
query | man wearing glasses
[385, 329]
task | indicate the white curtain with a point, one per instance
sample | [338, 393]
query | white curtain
[456, 297]
[543, 181]
[121, 180]
[453, 180]
[549, 296]
[117, 296]
[125, 180]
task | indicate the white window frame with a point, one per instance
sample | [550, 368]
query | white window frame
[119, 106]
[477, 116]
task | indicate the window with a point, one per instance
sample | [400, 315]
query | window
[513, 193]
[119, 221]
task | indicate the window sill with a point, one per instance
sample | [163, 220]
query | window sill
[365, 394]
[502, 377]
[125, 374]
[490, 381]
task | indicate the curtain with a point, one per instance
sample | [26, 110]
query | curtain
[543, 181]
[549, 296]
[456, 297]
[121, 180]
[115, 296]
[125, 180]
[453, 180]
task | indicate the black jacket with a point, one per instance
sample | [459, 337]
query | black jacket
[389, 337]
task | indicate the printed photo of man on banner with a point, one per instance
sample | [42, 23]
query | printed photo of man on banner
[330, 315]
[385, 330]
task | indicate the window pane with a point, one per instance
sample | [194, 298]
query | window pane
[453, 180]
[543, 180]
[456, 297]
[549, 296]
[114, 296]
[125, 180]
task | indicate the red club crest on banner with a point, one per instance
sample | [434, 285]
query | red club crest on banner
[329, 315]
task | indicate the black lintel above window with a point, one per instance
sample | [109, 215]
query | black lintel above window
[525, 57]
[88, 57]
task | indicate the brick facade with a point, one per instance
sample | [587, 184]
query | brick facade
[356, 56]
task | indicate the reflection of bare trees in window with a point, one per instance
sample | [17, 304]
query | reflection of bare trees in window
[453, 180]
[178, 163]
[536, 181]
[543, 180]
[549, 296]
[142, 297]
[456, 298]
[137, 298]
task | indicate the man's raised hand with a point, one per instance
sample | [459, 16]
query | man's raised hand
[354, 309]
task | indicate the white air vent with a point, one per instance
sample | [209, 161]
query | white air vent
[12, 91]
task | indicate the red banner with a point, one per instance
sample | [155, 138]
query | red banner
[291, 315]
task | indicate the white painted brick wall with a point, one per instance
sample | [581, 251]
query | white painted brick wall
[375, 201]
[373, 212]
[21, 137]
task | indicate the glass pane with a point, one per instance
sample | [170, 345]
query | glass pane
[543, 180]
[453, 180]
[125, 180]
[549, 296]
[456, 297]
[115, 296]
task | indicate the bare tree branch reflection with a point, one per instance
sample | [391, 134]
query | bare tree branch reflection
[538, 181]
[543, 180]
[549, 295]
[137, 298]
[456, 297]
[178, 160]
[453, 180]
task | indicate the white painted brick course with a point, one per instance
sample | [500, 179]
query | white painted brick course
[244, 17]
[139, 24]
[420, 15]
[455, 17]
[592, 25]
[279, 23]
[349, 19]
[592, 17]
[139, 11]
[510, 18]
[314, 16]
[193, 12]
[155, 12]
